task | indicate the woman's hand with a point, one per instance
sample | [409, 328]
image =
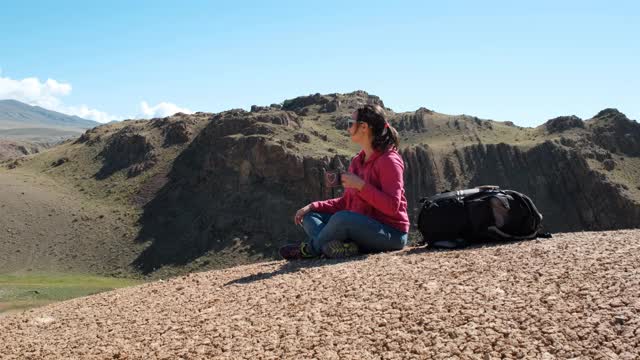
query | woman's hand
[353, 181]
[297, 219]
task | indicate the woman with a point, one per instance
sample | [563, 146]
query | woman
[371, 215]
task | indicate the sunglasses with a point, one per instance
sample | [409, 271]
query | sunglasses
[350, 123]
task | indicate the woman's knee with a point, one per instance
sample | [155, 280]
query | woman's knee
[309, 215]
[315, 215]
[342, 217]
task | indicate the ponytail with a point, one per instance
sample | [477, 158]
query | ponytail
[385, 136]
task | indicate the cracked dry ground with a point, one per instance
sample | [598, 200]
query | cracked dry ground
[573, 296]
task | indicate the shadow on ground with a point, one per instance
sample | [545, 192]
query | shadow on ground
[291, 267]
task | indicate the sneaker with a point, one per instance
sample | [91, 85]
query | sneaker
[296, 252]
[339, 249]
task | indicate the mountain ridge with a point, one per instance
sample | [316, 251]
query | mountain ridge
[14, 113]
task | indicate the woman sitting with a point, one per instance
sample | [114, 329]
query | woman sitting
[371, 215]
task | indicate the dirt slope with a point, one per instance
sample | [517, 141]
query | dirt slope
[573, 296]
[47, 227]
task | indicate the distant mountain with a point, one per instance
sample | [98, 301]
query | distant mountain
[15, 114]
[37, 126]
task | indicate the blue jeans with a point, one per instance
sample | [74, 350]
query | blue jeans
[369, 234]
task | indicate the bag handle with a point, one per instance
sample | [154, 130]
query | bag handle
[460, 194]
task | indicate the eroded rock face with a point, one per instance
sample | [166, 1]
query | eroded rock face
[124, 149]
[413, 121]
[422, 177]
[569, 194]
[226, 186]
[177, 133]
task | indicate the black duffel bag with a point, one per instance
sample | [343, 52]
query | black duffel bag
[455, 219]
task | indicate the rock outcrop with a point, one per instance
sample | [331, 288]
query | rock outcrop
[416, 121]
[563, 123]
[613, 131]
[177, 129]
[331, 102]
[303, 101]
[331, 106]
[126, 149]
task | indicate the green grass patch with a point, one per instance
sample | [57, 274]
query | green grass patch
[25, 291]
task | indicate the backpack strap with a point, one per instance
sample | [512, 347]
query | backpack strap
[496, 233]
[461, 194]
[458, 194]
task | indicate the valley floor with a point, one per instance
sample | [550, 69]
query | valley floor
[572, 296]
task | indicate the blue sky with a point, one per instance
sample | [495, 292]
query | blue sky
[499, 60]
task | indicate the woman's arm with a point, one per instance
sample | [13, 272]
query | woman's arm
[329, 206]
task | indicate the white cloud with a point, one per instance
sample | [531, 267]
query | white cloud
[84, 112]
[47, 94]
[161, 109]
[32, 91]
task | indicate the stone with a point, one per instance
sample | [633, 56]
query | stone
[60, 161]
[302, 137]
[609, 164]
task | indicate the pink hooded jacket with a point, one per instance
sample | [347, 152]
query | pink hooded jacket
[382, 197]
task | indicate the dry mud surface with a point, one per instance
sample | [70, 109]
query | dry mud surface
[573, 296]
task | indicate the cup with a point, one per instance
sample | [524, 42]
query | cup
[332, 178]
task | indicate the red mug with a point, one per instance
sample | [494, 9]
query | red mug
[332, 178]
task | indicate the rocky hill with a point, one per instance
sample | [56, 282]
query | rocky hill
[213, 190]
